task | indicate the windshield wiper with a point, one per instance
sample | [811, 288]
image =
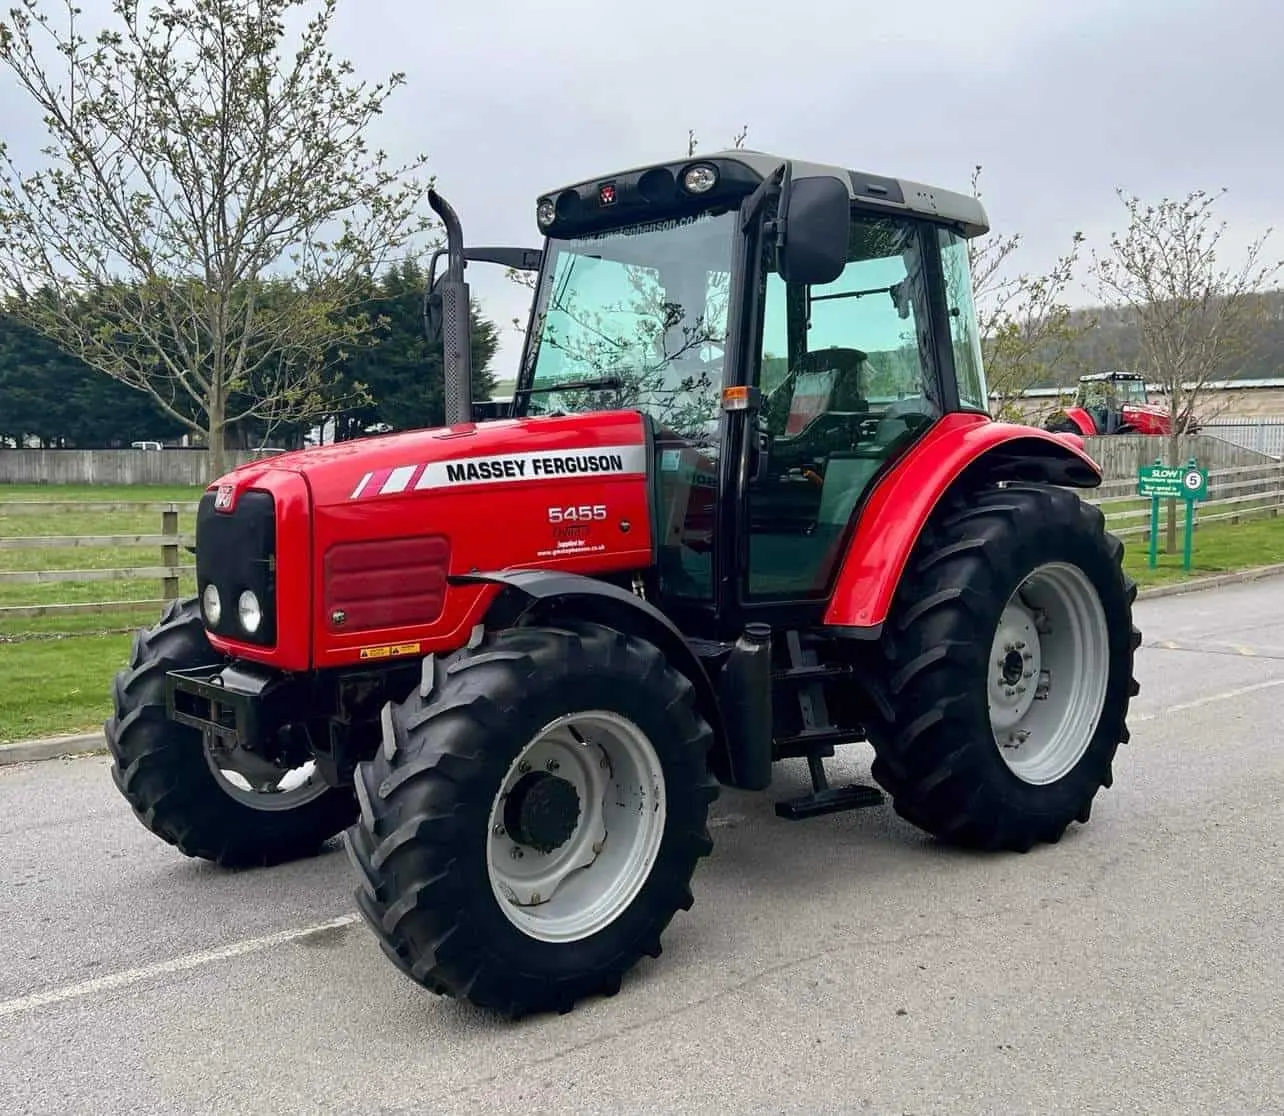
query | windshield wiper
[570, 385]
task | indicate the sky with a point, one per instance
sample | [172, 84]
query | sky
[1060, 102]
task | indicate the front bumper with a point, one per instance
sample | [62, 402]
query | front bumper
[237, 702]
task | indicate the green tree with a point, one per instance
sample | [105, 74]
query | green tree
[52, 396]
[401, 374]
[193, 157]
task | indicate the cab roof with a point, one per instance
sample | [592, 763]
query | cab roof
[748, 168]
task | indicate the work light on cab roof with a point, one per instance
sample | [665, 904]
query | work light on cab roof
[746, 504]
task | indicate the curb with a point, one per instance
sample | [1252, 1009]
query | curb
[93, 743]
[1240, 577]
[53, 747]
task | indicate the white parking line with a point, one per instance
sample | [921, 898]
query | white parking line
[1209, 699]
[127, 977]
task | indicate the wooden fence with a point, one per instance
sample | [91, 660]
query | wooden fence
[168, 572]
[1234, 494]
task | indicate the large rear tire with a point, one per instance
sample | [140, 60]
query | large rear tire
[533, 819]
[171, 776]
[1008, 661]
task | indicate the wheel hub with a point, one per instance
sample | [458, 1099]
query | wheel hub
[1016, 658]
[541, 811]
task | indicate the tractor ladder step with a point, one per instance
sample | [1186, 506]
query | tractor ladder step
[811, 673]
[817, 739]
[825, 799]
[820, 741]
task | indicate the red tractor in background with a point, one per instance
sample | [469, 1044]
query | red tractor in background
[746, 505]
[1112, 403]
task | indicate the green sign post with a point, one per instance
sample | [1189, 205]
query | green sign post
[1172, 482]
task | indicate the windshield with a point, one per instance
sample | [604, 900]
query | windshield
[643, 308]
[1111, 393]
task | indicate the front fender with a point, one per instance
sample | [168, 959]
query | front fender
[538, 591]
[960, 448]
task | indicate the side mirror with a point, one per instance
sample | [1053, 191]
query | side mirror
[433, 311]
[817, 227]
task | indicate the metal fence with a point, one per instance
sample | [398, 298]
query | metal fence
[1265, 435]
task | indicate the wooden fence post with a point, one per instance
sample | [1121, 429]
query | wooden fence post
[169, 553]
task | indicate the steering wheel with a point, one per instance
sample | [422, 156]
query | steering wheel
[845, 361]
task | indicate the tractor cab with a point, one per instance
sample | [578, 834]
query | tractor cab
[1108, 395]
[788, 331]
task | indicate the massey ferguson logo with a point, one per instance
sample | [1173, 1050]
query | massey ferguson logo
[223, 501]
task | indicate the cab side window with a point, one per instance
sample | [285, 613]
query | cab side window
[848, 381]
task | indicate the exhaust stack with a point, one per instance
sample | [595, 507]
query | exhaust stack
[456, 332]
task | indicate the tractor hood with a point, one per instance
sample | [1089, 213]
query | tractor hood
[468, 454]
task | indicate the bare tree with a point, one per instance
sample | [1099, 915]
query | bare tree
[1028, 330]
[198, 167]
[1196, 320]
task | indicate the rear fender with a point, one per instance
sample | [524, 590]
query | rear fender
[545, 596]
[960, 451]
[1085, 422]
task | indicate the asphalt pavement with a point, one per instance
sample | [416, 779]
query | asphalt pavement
[842, 964]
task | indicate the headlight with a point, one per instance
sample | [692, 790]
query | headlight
[700, 179]
[249, 611]
[212, 604]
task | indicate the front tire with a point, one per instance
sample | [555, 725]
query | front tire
[1008, 662]
[533, 819]
[170, 776]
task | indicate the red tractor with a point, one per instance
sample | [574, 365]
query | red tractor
[1112, 403]
[746, 505]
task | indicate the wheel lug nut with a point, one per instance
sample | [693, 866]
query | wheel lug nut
[518, 854]
[552, 765]
[1019, 645]
[498, 831]
[523, 767]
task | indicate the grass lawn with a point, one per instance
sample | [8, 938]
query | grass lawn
[98, 493]
[58, 670]
[57, 686]
[1218, 548]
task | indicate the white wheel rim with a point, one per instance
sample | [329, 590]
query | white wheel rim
[1047, 673]
[265, 786]
[591, 877]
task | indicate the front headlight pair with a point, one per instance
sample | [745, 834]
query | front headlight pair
[248, 609]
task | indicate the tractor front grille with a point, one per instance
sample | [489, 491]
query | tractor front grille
[236, 551]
